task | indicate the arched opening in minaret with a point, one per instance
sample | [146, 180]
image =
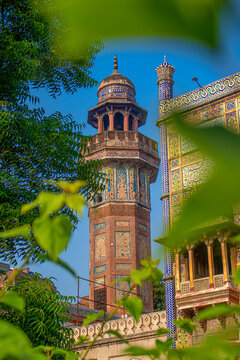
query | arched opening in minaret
[105, 123]
[130, 123]
[217, 258]
[118, 121]
[200, 261]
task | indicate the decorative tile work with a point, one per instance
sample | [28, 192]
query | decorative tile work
[200, 96]
[212, 112]
[237, 219]
[132, 184]
[122, 223]
[215, 122]
[174, 163]
[186, 145]
[121, 180]
[124, 267]
[230, 105]
[142, 187]
[175, 180]
[164, 157]
[173, 145]
[122, 244]
[143, 247]
[100, 247]
[100, 269]
[193, 157]
[100, 226]
[110, 184]
[175, 211]
[142, 227]
[183, 338]
[231, 120]
[196, 173]
[99, 282]
[121, 287]
[176, 199]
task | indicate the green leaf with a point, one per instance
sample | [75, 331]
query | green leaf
[186, 324]
[81, 340]
[162, 331]
[236, 277]
[140, 351]
[53, 234]
[14, 344]
[134, 306]
[23, 230]
[68, 187]
[50, 203]
[68, 355]
[76, 202]
[14, 300]
[218, 310]
[93, 317]
[141, 18]
[29, 206]
[138, 276]
[117, 334]
[164, 346]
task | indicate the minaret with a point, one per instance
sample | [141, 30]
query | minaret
[120, 216]
[165, 74]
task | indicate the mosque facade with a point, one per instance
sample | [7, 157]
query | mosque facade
[196, 276]
[199, 275]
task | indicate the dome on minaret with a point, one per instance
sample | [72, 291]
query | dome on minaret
[116, 86]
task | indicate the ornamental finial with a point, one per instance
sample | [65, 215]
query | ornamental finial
[165, 59]
[115, 63]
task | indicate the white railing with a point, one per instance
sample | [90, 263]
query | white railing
[125, 326]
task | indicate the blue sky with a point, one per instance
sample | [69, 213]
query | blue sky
[138, 60]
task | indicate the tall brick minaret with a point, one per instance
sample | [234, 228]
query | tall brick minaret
[120, 217]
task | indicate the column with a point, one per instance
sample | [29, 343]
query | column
[233, 259]
[191, 267]
[126, 121]
[135, 124]
[224, 260]
[210, 262]
[111, 121]
[100, 125]
[178, 273]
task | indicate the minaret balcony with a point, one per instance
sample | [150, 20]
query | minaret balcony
[202, 294]
[128, 145]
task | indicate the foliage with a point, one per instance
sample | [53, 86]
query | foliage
[159, 296]
[181, 18]
[35, 146]
[45, 313]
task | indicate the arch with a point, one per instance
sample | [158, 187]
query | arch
[110, 183]
[130, 123]
[217, 257]
[201, 269]
[105, 122]
[118, 121]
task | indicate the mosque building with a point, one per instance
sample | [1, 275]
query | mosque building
[196, 276]
[201, 273]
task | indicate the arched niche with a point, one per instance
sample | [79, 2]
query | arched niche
[118, 121]
[130, 119]
[105, 122]
[201, 269]
[217, 257]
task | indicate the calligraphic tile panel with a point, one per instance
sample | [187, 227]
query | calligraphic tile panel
[122, 244]
[121, 184]
[175, 180]
[100, 247]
